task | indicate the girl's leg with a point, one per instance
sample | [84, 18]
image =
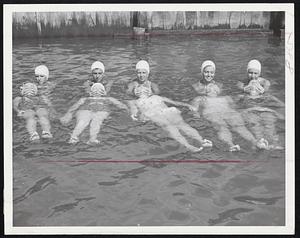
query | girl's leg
[254, 122]
[29, 116]
[225, 135]
[269, 120]
[221, 126]
[96, 122]
[237, 124]
[43, 116]
[83, 118]
[175, 134]
[186, 128]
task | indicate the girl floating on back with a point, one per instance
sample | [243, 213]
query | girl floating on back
[91, 111]
[33, 109]
[154, 108]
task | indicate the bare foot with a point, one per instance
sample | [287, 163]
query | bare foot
[234, 148]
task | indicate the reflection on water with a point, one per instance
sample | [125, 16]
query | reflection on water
[56, 184]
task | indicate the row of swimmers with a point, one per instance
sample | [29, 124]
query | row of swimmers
[146, 105]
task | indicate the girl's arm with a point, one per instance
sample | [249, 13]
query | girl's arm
[155, 88]
[133, 109]
[109, 85]
[265, 84]
[87, 87]
[76, 105]
[69, 114]
[240, 85]
[199, 88]
[16, 103]
[280, 103]
[118, 103]
[179, 103]
[130, 87]
[197, 101]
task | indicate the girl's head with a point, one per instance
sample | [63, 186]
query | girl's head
[97, 90]
[98, 70]
[142, 70]
[253, 69]
[208, 69]
[28, 89]
[41, 73]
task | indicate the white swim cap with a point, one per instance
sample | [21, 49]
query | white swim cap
[254, 64]
[29, 89]
[143, 64]
[98, 65]
[42, 70]
[207, 63]
[98, 89]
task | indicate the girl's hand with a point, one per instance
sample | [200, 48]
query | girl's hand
[134, 117]
[21, 113]
[192, 108]
[66, 118]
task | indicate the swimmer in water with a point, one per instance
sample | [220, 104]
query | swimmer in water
[45, 87]
[208, 71]
[254, 85]
[219, 111]
[33, 108]
[154, 108]
[142, 82]
[260, 118]
[91, 110]
[98, 76]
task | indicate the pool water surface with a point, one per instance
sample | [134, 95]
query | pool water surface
[133, 177]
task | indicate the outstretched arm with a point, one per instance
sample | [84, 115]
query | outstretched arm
[118, 103]
[129, 89]
[179, 103]
[109, 85]
[280, 103]
[240, 85]
[155, 88]
[69, 114]
[16, 103]
[76, 105]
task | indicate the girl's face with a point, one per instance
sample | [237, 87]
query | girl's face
[253, 74]
[97, 75]
[41, 78]
[208, 73]
[142, 75]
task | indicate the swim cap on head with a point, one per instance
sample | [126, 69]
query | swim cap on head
[29, 89]
[98, 88]
[98, 65]
[254, 64]
[143, 64]
[42, 70]
[207, 63]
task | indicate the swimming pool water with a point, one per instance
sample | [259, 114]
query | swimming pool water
[56, 184]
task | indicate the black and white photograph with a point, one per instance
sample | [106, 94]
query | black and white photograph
[149, 118]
